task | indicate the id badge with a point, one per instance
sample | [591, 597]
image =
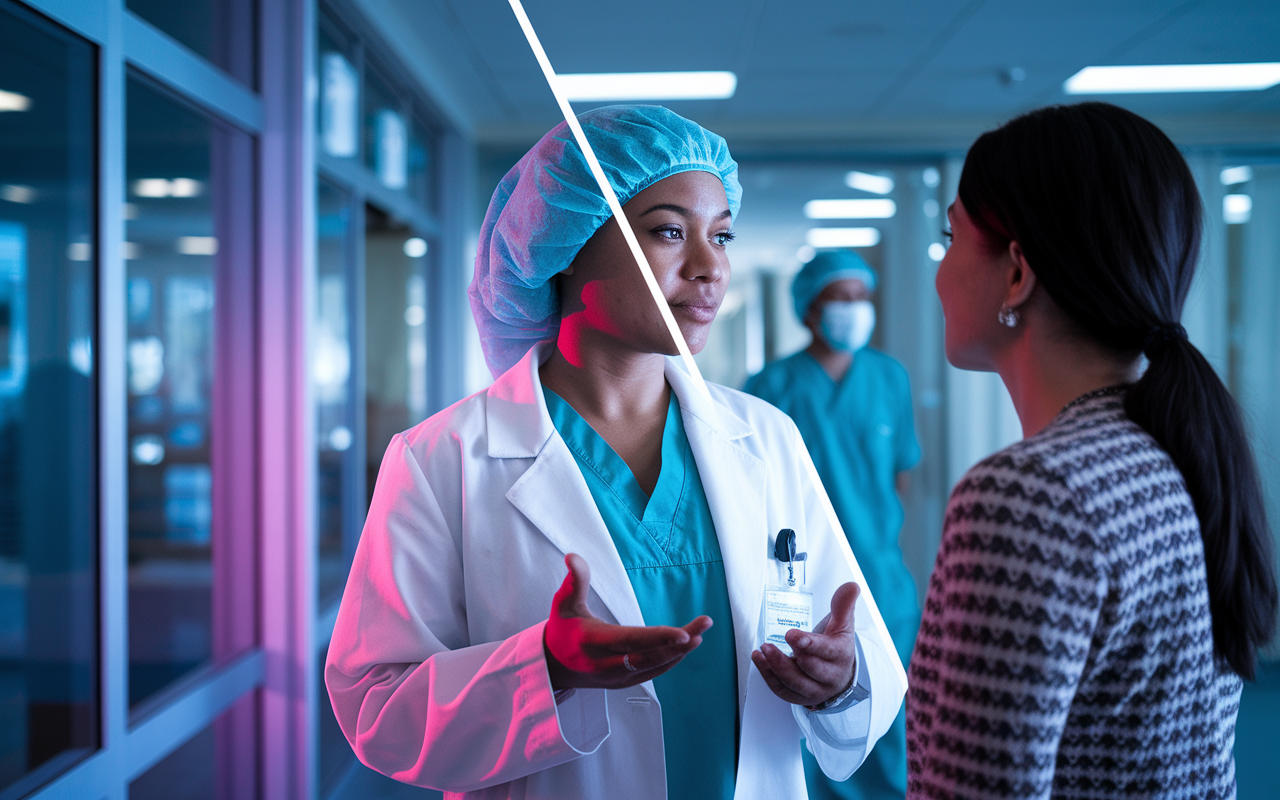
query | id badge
[785, 608]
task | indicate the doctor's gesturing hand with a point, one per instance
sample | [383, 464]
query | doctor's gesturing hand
[585, 652]
[824, 662]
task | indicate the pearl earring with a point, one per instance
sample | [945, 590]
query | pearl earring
[1008, 317]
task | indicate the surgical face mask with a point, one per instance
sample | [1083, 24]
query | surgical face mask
[848, 326]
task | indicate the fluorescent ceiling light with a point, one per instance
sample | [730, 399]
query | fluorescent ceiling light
[937, 251]
[12, 101]
[1233, 175]
[415, 247]
[850, 209]
[392, 137]
[184, 187]
[339, 106]
[1237, 208]
[601, 86]
[842, 237]
[148, 449]
[414, 316]
[340, 438]
[876, 184]
[161, 187]
[17, 193]
[1174, 78]
[197, 245]
[151, 187]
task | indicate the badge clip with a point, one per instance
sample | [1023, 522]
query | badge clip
[784, 549]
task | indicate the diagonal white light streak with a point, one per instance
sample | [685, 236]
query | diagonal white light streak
[610, 197]
[690, 365]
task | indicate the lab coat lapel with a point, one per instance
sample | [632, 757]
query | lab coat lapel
[552, 494]
[734, 481]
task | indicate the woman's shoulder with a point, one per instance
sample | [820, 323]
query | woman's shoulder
[1094, 449]
[1016, 475]
[1068, 476]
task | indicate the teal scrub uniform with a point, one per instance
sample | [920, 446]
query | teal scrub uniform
[669, 547]
[861, 435]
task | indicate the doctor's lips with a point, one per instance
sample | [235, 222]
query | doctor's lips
[701, 309]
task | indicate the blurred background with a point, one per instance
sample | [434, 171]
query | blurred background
[235, 240]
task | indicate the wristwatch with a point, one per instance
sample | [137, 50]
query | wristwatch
[852, 695]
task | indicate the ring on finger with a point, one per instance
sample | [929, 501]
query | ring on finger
[626, 662]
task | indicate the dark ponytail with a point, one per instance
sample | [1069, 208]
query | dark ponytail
[1109, 217]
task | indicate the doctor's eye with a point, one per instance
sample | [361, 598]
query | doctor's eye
[947, 233]
[724, 237]
[669, 232]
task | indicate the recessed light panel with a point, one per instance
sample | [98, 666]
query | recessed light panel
[821, 238]
[1174, 78]
[606, 86]
[866, 182]
[850, 209]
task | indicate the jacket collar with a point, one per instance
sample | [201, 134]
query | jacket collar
[516, 419]
[518, 425]
[553, 495]
[699, 404]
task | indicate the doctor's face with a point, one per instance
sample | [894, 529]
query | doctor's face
[682, 224]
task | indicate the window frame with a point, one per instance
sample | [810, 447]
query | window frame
[129, 743]
[280, 527]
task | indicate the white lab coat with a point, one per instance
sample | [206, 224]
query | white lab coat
[436, 668]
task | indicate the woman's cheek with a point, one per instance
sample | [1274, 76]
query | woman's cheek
[942, 283]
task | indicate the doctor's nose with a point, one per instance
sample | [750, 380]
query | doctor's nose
[703, 262]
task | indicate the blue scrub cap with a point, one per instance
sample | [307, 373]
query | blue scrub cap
[547, 207]
[823, 270]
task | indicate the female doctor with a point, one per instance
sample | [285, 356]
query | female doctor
[594, 450]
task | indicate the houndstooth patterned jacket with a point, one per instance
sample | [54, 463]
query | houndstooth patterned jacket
[1066, 649]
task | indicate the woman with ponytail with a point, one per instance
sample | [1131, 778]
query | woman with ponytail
[1104, 585]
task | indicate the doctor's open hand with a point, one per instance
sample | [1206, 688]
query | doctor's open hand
[824, 661]
[585, 652]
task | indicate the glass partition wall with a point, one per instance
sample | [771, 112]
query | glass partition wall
[219, 257]
[49, 699]
[130, 622]
[376, 251]
[189, 265]
[375, 232]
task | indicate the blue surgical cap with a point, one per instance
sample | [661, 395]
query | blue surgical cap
[548, 206]
[825, 269]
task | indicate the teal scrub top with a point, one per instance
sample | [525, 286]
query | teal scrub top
[861, 434]
[669, 547]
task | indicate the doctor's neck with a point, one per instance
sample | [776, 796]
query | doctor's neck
[603, 378]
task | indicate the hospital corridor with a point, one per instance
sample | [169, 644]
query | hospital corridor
[352, 445]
